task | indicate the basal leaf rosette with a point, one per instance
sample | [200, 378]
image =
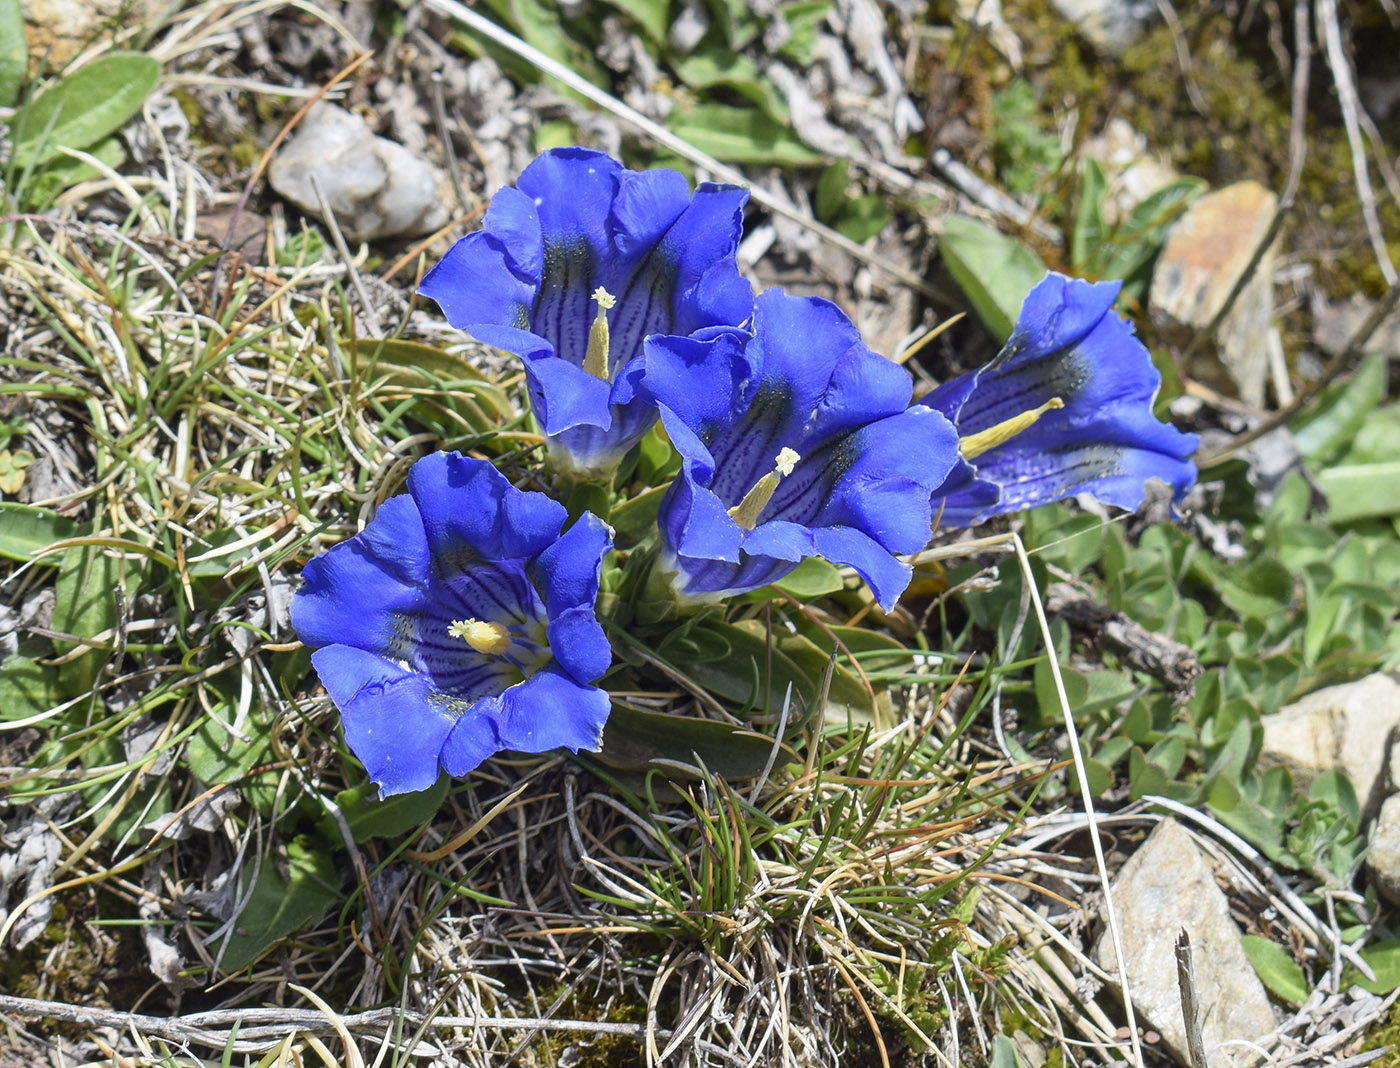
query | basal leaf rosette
[1064, 408]
[797, 441]
[574, 267]
[460, 622]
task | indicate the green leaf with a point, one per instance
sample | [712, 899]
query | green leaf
[813, 577]
[65, 172]
[721, 68]
[995, 272]
[740, 135]
[1088, 219]
[1004, 1053]
[86, 105]
[25, 529]
[280, 904]
[634, 519]
[85, 606]
[27, 688]
[1341, 410]
[457, 385]
[638, 740]
[1277, 968]
[863, 217]
[14, 58]
[1361, 491]
[369, 817]
[1144, 776]
[216, 755]
[831, 190]
[1383, 958]
[1132, 244]
[653, 16]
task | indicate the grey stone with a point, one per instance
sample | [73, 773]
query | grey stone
[375, 187]
[1166, 886]
[1109, 25]
[1345, 728]
[1383, 859]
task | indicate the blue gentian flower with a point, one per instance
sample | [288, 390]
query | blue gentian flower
[574, 267]
[1064, 408]
[796, 441]
[458, 623]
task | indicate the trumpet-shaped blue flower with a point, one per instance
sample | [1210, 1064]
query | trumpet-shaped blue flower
[574, 267]
[796, 441]
[458, 623]
[1064, 408]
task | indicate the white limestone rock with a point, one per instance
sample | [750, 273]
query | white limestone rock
[375, 187]
[1344, 728]
[1165, 886]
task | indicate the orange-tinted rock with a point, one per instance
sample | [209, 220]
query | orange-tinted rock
[1206, 251]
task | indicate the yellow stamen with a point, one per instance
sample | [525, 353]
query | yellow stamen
[595, 362]
[481, 635]
[978, 443]
[747, 511]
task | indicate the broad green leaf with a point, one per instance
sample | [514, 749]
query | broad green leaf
[280, 904]
[66, 171]
[1341, 411]
[25, 529]
[831, 190]
[27, 688]
[720, 67]
[87, 105]
[802, 20]
[813, 577]
[740, 135]
[216, 755]
[1004, 1053]
[634, 519]
[368, 817]
[863, 217]
[1383, 958]
[653, 16]
[1277, 968]
[85, 606]
[14, 58]
[1144, 776]
[1361, 491]
[995, 272]
[637, 740]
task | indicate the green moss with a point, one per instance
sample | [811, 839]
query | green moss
[1385, 1035]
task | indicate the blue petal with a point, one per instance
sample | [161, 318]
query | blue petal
[360, 592]
[568, 571]
[884, 574]
[647, 205]
[471, 513]
[565, 396]
[964, 499]
[490, 278]
[889, 470]
[700, 383]
[474, 737]
[393, 723]
[1068, 343]
[694, 521]
[573, 191]
[552, 711]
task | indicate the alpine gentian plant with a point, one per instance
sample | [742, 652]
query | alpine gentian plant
[574, 267]
[458, 623]
[1064, 408]
[796, 441]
